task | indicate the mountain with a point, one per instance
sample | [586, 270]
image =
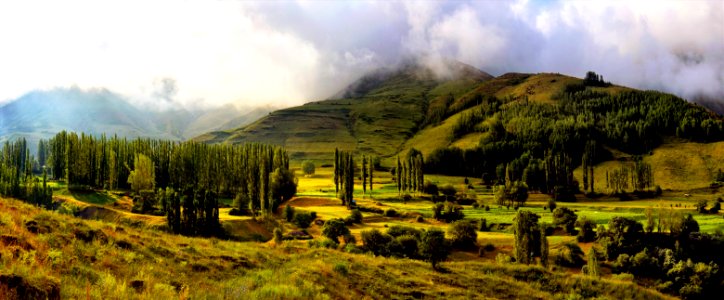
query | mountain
[41, 114]
[469, 123]
[375, 114]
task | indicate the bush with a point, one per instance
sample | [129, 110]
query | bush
[241, 204]
[391, 213]
[408, 245]
[552, 204]
[326, 243]
[463, 234]
[398, 230]
[565, 218]
[586, 233]
[308, 167]
[289, 213]
[430, 189]
[341, 269]
[448, 212]
[489, 247]
[278, 236]
[433, 246]
[716, 208]
[349, 239]
[419, 219]
[483, 225]
[377, 242]
[570, 255]
[334, 228]
[355, 216]
[448, 190]
[303, 220]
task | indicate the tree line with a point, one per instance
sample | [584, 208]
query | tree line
[409, 173]
[16, 175]
[344, 173]
[180, 180]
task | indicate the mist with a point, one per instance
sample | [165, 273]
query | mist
[166, 54]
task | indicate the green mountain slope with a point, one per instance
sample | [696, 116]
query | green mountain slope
[375, 115]
[497, 120]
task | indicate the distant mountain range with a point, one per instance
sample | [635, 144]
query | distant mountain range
[43, 113]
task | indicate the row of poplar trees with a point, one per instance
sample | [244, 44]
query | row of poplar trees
[409, 173]
[188, 177]
[16, 176]
[344, 168]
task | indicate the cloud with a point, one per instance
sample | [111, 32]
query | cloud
[201, 53]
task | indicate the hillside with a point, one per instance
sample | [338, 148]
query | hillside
[42, 114]
[387, 113]
[50, 255]
[375, 114]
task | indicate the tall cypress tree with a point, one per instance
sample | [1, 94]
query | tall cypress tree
[364, 175]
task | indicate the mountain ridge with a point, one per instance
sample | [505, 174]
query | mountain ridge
[40, 114]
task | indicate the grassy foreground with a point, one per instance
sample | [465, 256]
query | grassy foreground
[47, 254]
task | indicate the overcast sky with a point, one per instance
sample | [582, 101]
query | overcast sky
[288, 53]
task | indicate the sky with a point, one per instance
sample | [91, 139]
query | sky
[164, 54]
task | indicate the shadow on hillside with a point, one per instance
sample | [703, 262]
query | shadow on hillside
[92, 197]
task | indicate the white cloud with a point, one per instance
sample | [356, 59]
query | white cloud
[285, 53]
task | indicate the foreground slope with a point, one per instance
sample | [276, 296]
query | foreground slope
[46, 254]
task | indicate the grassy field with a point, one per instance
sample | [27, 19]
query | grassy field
[54, 255]
[122, 250]
[317, 194]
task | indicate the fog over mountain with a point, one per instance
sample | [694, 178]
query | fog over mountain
[43, 113]
[170, 54]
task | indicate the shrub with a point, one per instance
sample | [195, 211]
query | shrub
[489, 247]
[308, 167]
[341, 269]
[289, 213]
[566, 218]
[408, 245]
[303, 220]
[398, 230]
[334, 228]
[552, 204]
[448, 190]
[503, 258]
[463, 234]
[433, 246]
[483, 225]
[420, 219]
[241, 204]
[716, 208]
[329, 244]
[586, 233]
[356, 216]
[430, 189]
[448, 212]
[278, 236]
[487, 208]
[349, 239]
[701, 206]
[570, 255]
[391, 213]
[377, 242]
